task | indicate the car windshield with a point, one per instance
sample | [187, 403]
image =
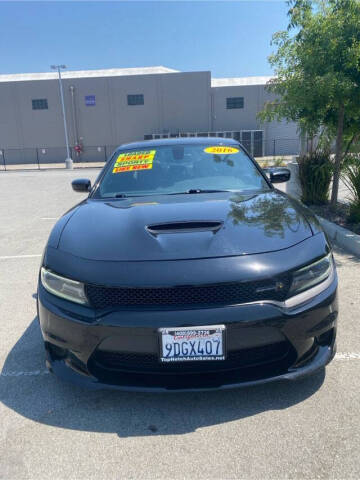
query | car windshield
[172, 169]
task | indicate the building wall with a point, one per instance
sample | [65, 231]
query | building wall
[279, 138]
[237, 119]
[20, 126]
[173, 102]
[185, 101]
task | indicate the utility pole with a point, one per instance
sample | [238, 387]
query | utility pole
[68, 160]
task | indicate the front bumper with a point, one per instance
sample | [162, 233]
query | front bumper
[271, 343]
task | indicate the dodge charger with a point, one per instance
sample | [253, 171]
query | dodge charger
[184, 268]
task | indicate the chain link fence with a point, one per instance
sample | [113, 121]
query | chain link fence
[96, 156]
[53, 157]
[277, 147]
[254, 141]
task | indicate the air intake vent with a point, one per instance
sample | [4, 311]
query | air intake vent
[184, 227]
[190, 295]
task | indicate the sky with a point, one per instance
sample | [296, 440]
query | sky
[231, 39]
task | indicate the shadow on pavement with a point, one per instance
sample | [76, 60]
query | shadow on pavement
[344, 257]
[45, 399]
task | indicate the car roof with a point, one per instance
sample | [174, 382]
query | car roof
[179, 141]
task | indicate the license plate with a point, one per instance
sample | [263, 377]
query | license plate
[192, 343]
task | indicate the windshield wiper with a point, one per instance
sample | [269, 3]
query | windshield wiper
[197, 190]
[188, 192]
[125, 195]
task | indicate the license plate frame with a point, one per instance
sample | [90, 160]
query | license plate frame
[197, 334]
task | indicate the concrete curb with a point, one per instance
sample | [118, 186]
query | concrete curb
[342, 237]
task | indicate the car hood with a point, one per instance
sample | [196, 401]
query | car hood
[174, 227]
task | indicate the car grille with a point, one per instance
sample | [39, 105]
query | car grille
[149, 363]
[204, 295]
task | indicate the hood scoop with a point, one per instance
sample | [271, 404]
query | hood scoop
[184, 227]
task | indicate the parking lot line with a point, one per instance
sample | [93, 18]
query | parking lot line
[25, 374]
[347, 356]
[7, 257]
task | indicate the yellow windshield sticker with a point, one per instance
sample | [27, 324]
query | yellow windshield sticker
[129, 161]
[220, 150]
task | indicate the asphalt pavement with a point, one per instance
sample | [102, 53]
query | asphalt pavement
[49, 429]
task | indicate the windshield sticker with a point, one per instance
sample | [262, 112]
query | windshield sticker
[130, 161]
[221, 150]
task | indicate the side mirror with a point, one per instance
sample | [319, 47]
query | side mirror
[278, 174]
[81, 185]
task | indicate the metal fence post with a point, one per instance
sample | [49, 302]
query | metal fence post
[37, 157]
[274, 142]
[3, 155]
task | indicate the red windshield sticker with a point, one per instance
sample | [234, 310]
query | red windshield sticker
[130, 161]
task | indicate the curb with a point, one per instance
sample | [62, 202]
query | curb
[341, 237]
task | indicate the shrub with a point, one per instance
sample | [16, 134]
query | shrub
[315, 173]
[279, 162]
[264, 163]
[351, 178]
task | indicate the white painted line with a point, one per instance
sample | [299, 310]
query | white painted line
[7, 257]
[49, 218]
[347, 356]
[25, 374]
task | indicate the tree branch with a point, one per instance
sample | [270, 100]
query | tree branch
[353, 139]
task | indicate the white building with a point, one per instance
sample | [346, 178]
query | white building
[108, 107]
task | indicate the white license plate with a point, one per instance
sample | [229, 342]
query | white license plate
[192, 343]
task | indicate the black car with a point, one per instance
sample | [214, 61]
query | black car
[183, 269]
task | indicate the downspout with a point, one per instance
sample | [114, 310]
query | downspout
[212, 116]
[73, 111]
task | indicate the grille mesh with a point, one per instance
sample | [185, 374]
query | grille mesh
[147, 362]
[221, 294]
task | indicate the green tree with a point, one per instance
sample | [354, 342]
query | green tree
[317, 73]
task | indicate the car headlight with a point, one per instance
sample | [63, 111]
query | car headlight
[63, 287]
[311, 275]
